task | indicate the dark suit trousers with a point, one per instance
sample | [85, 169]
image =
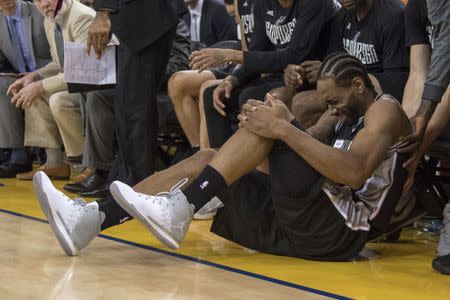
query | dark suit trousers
[11, 118]
[99, 129]
[136, 117]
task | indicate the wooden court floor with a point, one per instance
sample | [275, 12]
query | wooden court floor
[126, 262]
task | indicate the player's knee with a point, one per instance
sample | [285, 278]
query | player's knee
[204, 156]
[176, 85]
[306, 104]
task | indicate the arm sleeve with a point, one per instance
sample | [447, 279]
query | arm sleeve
[395, 53]
[52, 68]
[109, 4]
[260, 42]
[439, 75]
[312, 18]
[49, 69]
[179, 52]
[415, 26]
[80, 31]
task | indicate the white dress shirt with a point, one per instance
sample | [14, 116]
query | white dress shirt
[196, 15]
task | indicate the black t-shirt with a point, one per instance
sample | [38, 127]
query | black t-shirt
[378, 40]
[283, 36]
[418, 26]
[246, 12]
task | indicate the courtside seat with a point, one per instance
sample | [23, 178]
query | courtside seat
[171, 139]
[432, 176]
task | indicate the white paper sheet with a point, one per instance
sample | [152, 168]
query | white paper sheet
[79, 67]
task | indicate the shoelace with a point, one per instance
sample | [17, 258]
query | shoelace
[162, 197]
[74, 202]
[174, 188]
[63, 195]
[79, 201]
[77, 206]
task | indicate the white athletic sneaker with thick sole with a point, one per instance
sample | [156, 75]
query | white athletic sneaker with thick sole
[74, 223]
[166, 215]
[209, 210]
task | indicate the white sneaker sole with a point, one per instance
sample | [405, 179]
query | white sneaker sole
[207, 216]
[55, 222]
[162, 235]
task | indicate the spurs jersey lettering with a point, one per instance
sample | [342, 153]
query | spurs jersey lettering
[286, 35]
[280, 23]
[359, 207]
[377, 40]
[430, 33]
[245, 9]
[280, 34]
[365, 52]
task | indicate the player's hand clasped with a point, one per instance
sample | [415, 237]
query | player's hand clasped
[28, 94]
[293, 76]
[311, 68]
[265, 118]
[25, 90]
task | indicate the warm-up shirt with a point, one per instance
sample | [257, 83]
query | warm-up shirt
[378, 40]
[438, 77]
[284, 36]
[417, 24]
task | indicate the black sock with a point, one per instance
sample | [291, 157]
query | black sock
[114, 214]
[195, 149]
[207, 185]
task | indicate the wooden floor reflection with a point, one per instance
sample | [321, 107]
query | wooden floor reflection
[33, 266]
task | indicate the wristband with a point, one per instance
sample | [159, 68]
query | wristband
[296, 123]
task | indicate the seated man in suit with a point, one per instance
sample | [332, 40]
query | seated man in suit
[23, 48]
[209, 22]
[52, 115]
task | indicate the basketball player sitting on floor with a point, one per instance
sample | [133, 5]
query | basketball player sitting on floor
[319, 202]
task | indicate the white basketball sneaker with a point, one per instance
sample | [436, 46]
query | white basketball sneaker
[209, 210]
[166, 215]
[74, 222]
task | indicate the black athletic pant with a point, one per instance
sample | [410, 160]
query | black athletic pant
[286, 213]
[220, 128]
[136, 116]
